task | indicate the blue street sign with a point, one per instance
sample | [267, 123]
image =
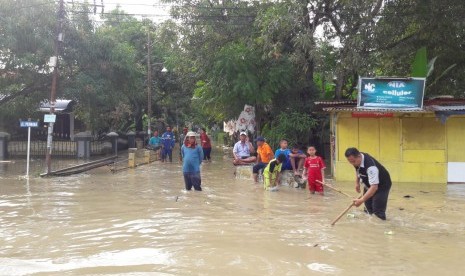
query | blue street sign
[28, 124]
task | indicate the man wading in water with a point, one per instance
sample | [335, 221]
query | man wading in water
[376, 180]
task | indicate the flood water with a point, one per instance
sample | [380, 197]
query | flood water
[142, 222]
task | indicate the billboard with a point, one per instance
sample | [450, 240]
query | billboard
[391, 93]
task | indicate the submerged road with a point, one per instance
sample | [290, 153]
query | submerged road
[142, 222]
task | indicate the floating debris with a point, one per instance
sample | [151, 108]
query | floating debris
[408, 196]
[351, 215]
[390, 232]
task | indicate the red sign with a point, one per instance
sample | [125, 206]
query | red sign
[371, 114]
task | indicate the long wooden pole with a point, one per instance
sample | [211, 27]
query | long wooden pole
[344, 212]
[334, 189]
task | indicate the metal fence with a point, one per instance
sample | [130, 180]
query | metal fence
[60, 148]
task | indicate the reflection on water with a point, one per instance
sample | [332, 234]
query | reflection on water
[142, 222]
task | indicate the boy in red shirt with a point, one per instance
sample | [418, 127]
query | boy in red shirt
[315, 170]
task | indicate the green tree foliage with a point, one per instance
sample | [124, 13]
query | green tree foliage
[279, 56]
[25, 48]
[241, 76]
[293, 126]
[108, 67]
[439, 26]
[420, 64]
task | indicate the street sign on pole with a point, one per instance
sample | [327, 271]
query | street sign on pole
[28, 124]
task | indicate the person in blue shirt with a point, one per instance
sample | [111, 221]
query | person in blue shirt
[283, 149]
[192, 156]
[168, 143]
[155, 141]
[297, 158]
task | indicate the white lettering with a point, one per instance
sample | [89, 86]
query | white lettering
[397, 93]
[396, 84]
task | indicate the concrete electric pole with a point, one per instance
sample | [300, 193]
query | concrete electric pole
[54, 61]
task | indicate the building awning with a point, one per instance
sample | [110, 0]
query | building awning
[61, 106]
[445, 105]
[443, 112]
[371, 110]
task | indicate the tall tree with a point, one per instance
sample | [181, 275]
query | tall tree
[439, 26]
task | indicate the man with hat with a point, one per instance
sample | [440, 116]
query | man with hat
[192, 156]
[242, 150]
[264, 155]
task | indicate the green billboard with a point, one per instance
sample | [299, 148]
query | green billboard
[391, 93]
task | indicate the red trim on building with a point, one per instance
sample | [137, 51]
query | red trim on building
[371, 114]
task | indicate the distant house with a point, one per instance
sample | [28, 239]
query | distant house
[64, 125]
[426, 145]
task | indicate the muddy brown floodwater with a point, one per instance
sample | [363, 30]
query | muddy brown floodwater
[142, 222]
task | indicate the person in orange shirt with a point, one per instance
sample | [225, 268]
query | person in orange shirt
[264, 156]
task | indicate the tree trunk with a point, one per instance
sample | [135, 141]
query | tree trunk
[339, 84]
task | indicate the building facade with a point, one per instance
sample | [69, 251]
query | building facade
[425, 145]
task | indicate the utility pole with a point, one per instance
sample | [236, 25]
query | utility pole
[54, 63]
[149, 83]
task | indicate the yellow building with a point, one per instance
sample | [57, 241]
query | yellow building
[425, 145]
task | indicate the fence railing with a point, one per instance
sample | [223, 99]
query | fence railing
[60, 148]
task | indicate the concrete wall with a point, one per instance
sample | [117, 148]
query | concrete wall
[413, 147]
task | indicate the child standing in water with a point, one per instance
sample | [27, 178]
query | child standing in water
[271, 173]
[192, 156]
[315, 170]
[206, 145]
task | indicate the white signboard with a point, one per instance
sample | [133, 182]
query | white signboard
[50, 118]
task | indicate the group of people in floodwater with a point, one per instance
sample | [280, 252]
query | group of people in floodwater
[306, 167]
[374, 176]
[271, 164]
[167, 141]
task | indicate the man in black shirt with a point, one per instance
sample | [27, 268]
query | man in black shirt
[376, 180]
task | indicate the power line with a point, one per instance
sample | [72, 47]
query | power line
[167, 5]
[382, 14]
[30, 6]
[130, 14]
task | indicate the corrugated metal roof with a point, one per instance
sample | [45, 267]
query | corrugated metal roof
[447, 107]
[60, 105]
[380, 110]
[336, 102]
[430, 105]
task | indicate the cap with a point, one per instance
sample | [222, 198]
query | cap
[260, 138]
[244, 133]
[191, 133]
